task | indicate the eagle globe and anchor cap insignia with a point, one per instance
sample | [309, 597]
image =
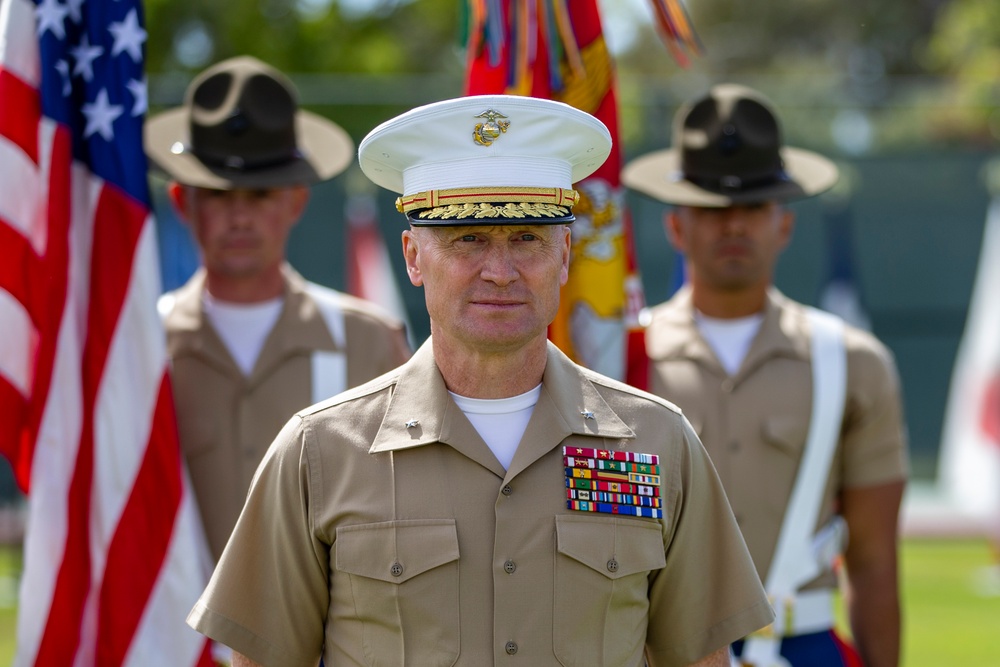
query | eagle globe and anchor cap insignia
[486, 133]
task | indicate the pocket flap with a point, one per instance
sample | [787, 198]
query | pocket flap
[786, 433]
[396, 551]
[631, 545]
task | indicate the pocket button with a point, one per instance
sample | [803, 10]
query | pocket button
[612, 565]
[396, 569]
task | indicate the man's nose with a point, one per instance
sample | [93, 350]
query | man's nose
[734, 221]
[498, 265]
[241, 208]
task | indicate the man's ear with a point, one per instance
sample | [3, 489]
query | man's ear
[411, 252]
[787, 225]
[673, 226]
[567, 250]
[300, 197]
[178, 195]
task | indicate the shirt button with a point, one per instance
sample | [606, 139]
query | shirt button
[727, 385]
[509, 567]
[734, 446]
[506, 490]
[396, 569]
[612, 565]
[511, 648]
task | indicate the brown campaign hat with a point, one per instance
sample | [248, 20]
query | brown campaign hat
[240, 127]
[727, 150]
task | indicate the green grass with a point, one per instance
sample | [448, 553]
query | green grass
[10, 568]
[947, 621]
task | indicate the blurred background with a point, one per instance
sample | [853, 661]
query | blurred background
[905, 96]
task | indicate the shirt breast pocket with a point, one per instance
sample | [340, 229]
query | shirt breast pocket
[601, 591]
[405, 589]
[784, 438]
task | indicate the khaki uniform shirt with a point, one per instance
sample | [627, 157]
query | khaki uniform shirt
[754, 424]
[225, 419]
[381, 529]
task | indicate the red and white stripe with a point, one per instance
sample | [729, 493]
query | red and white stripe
[114, 556]
[369, 267]
[969, 476]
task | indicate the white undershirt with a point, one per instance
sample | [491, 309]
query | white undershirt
[730, 339]
[500, 422]
[243, 327]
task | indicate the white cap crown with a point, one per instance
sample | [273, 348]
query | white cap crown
[484, 146]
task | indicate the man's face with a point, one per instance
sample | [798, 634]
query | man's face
[731, 248]
[490, 289]
[241, 232]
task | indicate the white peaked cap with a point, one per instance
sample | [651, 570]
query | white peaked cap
[478, 148]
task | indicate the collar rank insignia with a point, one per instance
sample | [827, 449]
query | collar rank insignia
[612, 482]
[486, 133]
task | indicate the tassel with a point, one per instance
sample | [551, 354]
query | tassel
[676, 30]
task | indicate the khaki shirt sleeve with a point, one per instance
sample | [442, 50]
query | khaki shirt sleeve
[268, 596]
[874, 448]
[708, 594]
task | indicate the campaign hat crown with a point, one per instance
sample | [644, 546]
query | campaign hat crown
[241, 127]
[728, 150]
[486, 160]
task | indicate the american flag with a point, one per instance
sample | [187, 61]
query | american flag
[114, 554]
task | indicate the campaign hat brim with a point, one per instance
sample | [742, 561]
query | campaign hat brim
[659, 175]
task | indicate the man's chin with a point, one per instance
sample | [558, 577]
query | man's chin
[238, 270]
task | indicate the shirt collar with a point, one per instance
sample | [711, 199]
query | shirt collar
[676, 335]
[300, 325]
[421, 412]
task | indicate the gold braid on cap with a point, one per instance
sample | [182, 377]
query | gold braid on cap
[505, 202]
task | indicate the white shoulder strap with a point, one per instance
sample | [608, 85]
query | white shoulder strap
[329, 369]
[793, 563]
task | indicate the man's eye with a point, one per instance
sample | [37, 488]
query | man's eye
[469, 238]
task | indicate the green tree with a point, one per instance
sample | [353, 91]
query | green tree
[966, 47]
[825, 62]
[326, 45]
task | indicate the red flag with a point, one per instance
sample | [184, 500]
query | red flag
[556, 50]
[114, 556]
[969, 470]
[369, 267]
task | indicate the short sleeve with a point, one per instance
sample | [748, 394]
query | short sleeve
[874, 447]
[268, 596]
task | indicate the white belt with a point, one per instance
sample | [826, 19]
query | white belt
[806, 612]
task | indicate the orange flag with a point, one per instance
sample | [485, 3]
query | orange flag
[555, 49]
